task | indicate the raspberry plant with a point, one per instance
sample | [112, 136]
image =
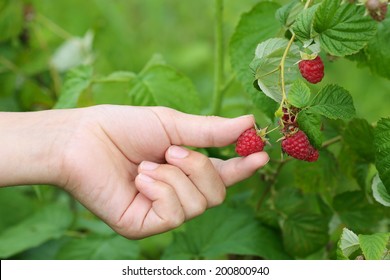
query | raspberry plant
[327, 199]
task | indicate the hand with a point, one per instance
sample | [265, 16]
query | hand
[126, 164]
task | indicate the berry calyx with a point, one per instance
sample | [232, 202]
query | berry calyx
[298, 146]
[250, 141]
[312, 69]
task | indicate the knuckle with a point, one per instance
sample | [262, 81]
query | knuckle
[219, 197]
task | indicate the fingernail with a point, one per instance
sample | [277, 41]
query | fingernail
[147, 165]
[146, 178]
[177, 152]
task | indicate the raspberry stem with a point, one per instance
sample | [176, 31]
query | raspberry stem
[282, 62]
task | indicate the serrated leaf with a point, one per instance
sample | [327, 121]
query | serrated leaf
[299, 94]
[248, 33]
[49, 223]
[359, 136]
[342, 28]
[379, 191]
[310, 123]
[266, 63]
[333, 102]
[225, 230]
[382, 151]
[161, 85]
[374, 245]
[348, 244]
[95, 247]
[304, 234]
[77, 80]
[356, 212]
[377, 53]
[303, 26]
[287, 13]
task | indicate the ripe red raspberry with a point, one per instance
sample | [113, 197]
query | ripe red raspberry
[312, 70]
[298, 146]
[377, 9]
[249, 142]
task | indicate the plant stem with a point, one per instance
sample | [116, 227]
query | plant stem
[218, 58]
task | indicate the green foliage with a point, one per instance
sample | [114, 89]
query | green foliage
[299, 94]
[95, 247]
[233, 231]
[49, 223]
[382, 151]
[333, 102]
[342, 28]
[248, 33]
[268, 56]
[372, 247]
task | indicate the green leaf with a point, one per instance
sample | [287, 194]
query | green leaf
[359, 136]
[333, 102]
[374, 245]
[286, 14]
[303, 26]
[49, 223]
[382, 151]
[77, 80]
[348, 244]
[11, 19]
[15, 206]
[254, 26]
[377, 53]
[304, 233]
[314, 177]
[356, 212]
[268, 56]
[224, 230]
[379, 191]
[343, 29]
[299, 94]
[161, 85]
[117, 77]
[311, 124]
[95, 247]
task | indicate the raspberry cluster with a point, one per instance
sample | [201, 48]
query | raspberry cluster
[295, 142]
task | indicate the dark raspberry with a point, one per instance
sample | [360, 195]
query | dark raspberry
[249, 142]
[312, 70]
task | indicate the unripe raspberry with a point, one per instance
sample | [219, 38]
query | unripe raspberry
[249, 142]
[312, 69]
[377, 9]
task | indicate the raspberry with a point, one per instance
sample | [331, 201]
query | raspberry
[312, 70]
[377, 9]
[249, 142]
[298, 146]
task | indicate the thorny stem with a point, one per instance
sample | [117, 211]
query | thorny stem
[218, 58]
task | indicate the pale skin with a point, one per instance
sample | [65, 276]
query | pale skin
[128, 165]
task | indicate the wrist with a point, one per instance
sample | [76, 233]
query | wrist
[31, 146]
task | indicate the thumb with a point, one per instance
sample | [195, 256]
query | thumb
[202, 131]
